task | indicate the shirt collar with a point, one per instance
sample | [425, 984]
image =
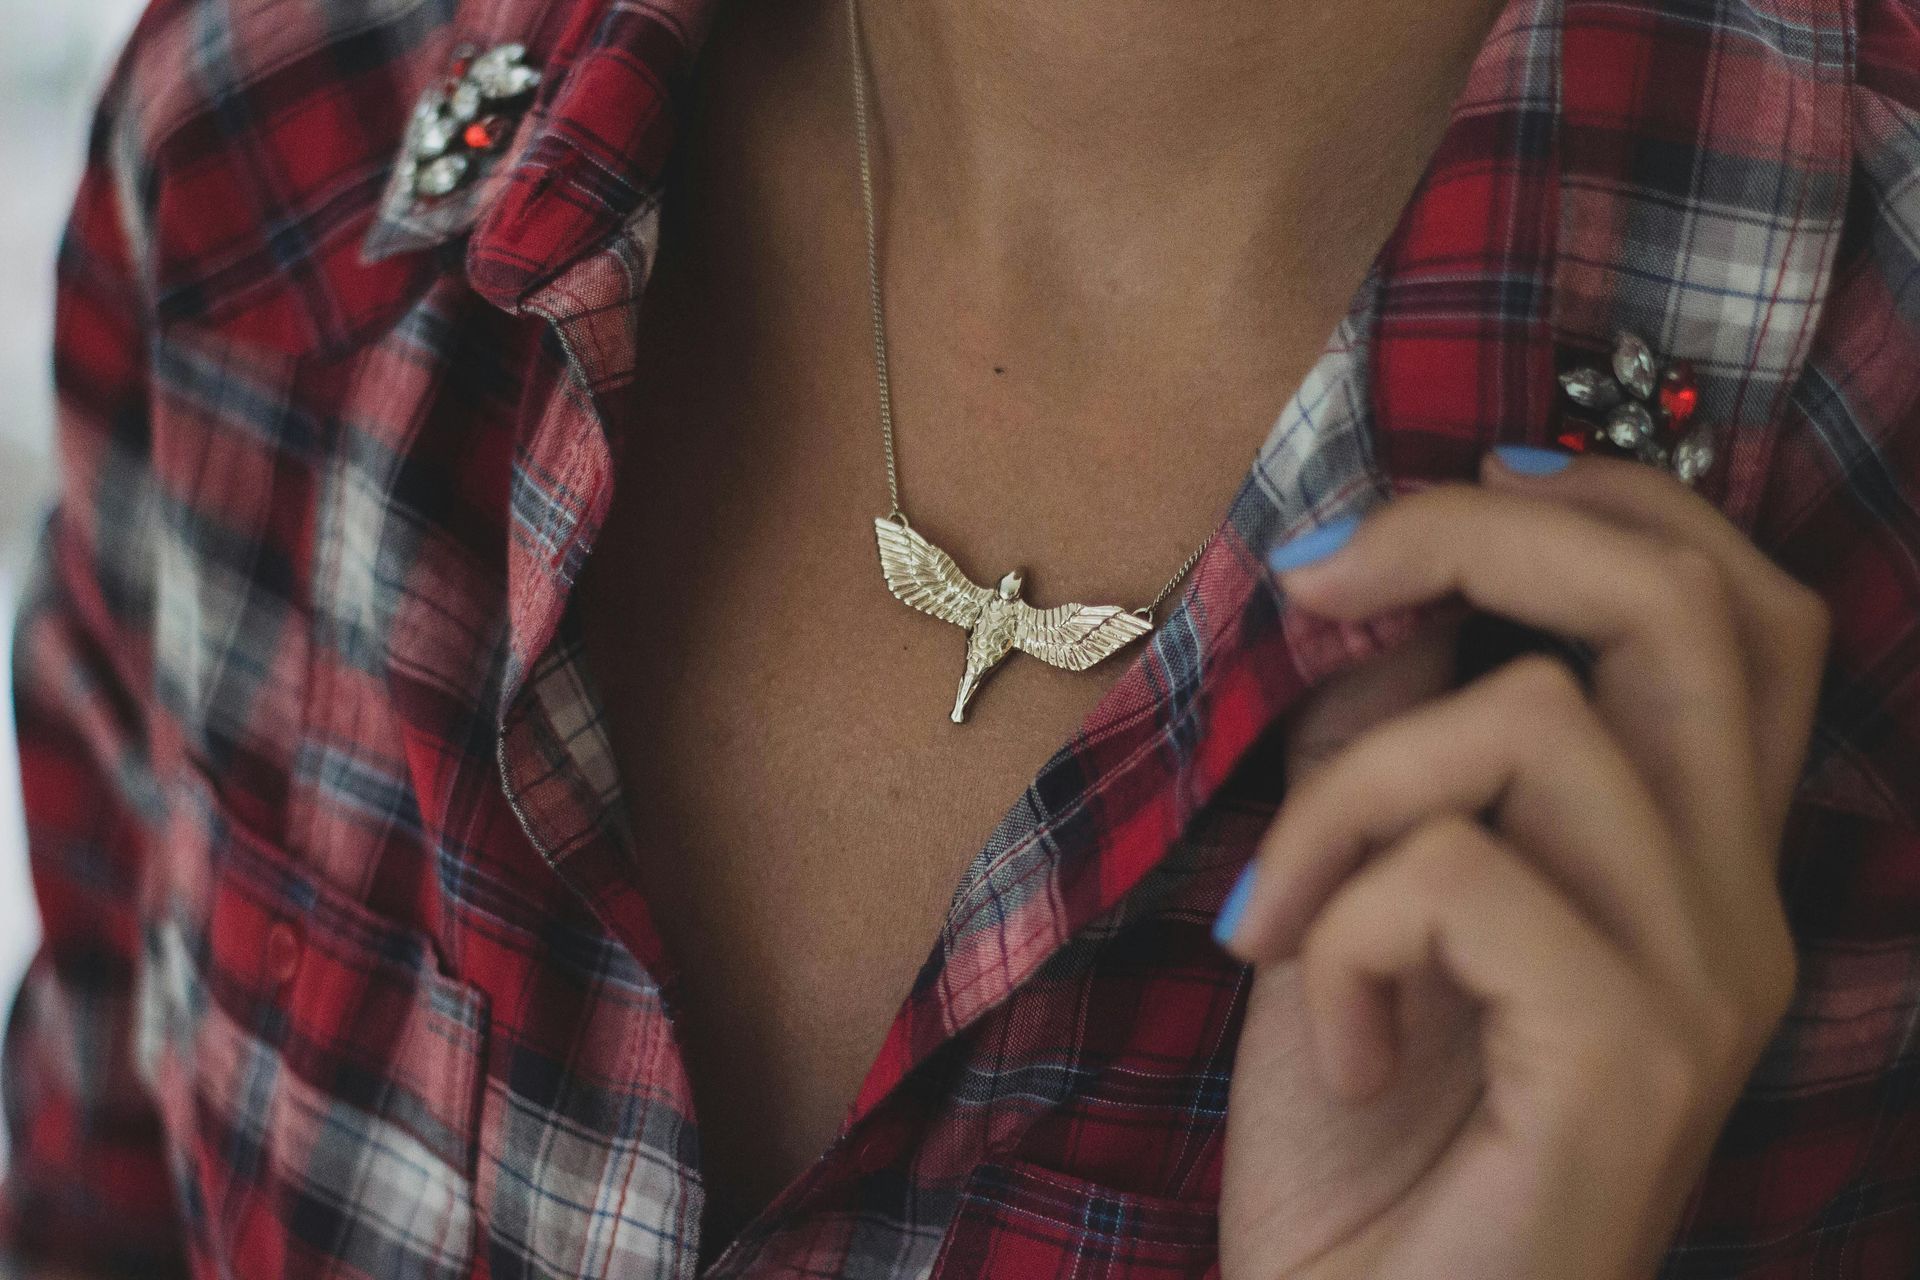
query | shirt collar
[586, 161]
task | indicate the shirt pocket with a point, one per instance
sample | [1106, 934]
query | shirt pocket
[317, 1072]
[1017, 1218]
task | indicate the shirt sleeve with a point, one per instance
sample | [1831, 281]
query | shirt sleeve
[86, 1190]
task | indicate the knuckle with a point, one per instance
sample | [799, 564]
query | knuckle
[1309, 753]
[1430, 515]
[1807, 617]
[1776, 981]
[1692, 606]
[1719, 1024]
[1452, 499]
[1629, 1049]
[1692, 582]
[1545, 688]
[1447, 855]
[1605, 1053]
[1670, 1073]
[1730, 1020]
[1337, 939]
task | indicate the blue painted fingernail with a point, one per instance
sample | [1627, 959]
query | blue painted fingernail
[1529, 461]
[1314, 544]
[1234, 907]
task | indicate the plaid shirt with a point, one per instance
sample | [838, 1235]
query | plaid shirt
[345, 973]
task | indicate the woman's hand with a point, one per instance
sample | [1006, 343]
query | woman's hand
[1533, 931]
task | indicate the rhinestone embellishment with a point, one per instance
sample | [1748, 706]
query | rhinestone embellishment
[1640, 407]
[465, 118]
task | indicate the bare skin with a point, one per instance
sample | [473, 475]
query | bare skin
[1113, 248]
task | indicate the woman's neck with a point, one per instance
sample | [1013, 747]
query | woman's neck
[1088, 183]
[1056, 135]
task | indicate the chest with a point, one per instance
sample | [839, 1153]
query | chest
[804, 807]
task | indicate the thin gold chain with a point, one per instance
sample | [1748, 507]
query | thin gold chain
[860, 113]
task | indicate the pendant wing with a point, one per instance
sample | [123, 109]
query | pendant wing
[1076, 636]
[926, 577]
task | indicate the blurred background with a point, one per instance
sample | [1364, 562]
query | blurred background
[53, 55]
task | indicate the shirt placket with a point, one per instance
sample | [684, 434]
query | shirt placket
[554, 756]
[568, 235]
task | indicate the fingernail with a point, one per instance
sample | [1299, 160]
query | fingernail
[1526, 460]
[1314, 544]
[1234, 907]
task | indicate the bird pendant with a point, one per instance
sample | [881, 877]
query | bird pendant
[997, 620]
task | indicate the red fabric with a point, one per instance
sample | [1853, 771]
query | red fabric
[345, 971]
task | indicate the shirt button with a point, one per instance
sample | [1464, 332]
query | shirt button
[283, 952]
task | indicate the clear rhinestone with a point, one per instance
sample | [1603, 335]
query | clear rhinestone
[465, 102]
[1629, 425]
[1692, 457]
[502, 72]
[442, 175]
[518, 80]
[498, 58]
[432, 136]
[1633, 365]
[1590, 388]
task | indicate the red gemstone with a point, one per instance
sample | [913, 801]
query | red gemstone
[1573, 441]
[1678, 396]
[462, 65]
[482, 134]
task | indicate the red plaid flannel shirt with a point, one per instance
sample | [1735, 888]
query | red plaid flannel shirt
[344, 974]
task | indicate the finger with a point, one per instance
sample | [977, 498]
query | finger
[1451, 896]
[1668, 675]
[1783, 625]
[1523, 745]
[1340, 709]
[1586, 1065]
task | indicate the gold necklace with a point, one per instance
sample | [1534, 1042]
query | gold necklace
[996, 619]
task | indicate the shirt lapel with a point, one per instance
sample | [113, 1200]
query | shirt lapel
[1707, 155]
[566, 231]
[1708, 165]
